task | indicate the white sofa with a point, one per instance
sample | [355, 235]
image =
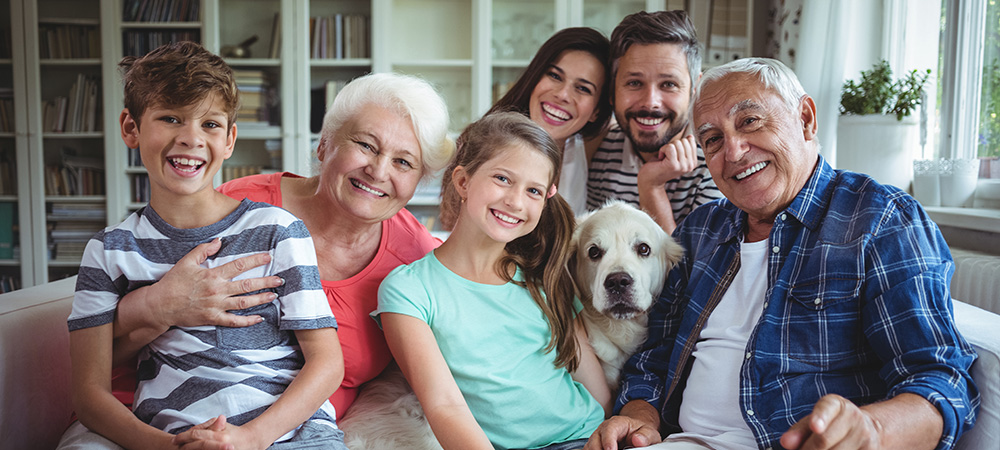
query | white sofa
[35, 374]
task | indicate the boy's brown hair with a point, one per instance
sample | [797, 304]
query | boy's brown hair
[175, 75]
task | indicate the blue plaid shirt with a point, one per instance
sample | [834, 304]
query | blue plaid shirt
[857, 304]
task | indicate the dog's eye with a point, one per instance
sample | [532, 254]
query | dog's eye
[642, 249]
[594, 252]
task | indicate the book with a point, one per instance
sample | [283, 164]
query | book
[7, 230]
[275, 50]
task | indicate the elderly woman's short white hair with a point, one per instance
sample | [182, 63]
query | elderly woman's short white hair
[408, 96]
[771, 72]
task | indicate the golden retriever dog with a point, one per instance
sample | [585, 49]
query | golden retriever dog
[620, 263]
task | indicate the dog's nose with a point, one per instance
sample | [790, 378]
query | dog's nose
[618, 282]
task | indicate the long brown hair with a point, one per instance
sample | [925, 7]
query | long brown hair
[543, 254]
[576, 38]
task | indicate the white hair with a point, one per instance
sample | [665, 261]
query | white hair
[771, 72]
[406, 95]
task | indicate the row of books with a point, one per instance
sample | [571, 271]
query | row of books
[76, 211]
[140, 188]
[75, 175]
[340, 36]
[160, 10]
[65, 41]
[232, 172]
[9, 283]
[140, 42]
[76, 112]
[321, 98]
[8, 229]
[70, 226]
[6, 109]
[134, 158]
[258, 99]
[8, 175]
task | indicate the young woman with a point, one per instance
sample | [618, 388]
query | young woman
[565, 91]
[485, 327]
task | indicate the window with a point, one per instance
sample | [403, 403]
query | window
[969, 83]
[988, 148]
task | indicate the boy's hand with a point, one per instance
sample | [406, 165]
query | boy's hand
[191, 295]
[216, 434]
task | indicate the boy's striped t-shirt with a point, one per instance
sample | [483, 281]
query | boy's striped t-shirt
[191, 374]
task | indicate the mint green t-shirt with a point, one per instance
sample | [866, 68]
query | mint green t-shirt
[493, 338]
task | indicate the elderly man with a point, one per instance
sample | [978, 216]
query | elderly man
[649, 158]
[812, 309]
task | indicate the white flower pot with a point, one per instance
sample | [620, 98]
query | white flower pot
[880, 146]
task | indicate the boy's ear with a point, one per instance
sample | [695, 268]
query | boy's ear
[230, 141]
[129, 129]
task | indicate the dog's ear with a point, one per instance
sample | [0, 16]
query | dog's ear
[672, 252]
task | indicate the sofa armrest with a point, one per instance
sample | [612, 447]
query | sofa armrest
[35, 374]
[982, 329]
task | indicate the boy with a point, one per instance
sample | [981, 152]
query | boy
[248, 387]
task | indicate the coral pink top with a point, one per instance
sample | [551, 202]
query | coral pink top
[404, 240]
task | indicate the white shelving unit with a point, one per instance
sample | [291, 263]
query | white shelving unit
[464, 47]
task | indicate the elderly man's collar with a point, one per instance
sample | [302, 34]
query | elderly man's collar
[810, 205]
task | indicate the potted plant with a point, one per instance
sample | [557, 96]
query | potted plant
[877, 133]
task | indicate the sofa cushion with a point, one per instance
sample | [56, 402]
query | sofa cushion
[980, 328]
[35, 378]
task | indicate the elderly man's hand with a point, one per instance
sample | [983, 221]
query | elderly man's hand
[835, 422]
[622, 430]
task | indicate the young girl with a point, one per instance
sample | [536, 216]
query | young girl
[484, 326]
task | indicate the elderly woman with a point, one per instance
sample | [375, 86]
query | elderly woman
[383, 134]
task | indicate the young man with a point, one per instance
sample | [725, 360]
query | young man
[239, 387]
[649, 158]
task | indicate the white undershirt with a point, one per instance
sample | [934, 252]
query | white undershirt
[710, 408]
[573, 179]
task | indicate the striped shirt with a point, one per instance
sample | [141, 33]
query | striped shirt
[191, 374]
[857, 304]
[614, 174]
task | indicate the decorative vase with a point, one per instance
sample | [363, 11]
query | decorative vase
[878, 145]
[959, 178]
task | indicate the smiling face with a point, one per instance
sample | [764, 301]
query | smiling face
[652, 94]
[622, 259]
[182, 148]
[760, 151]
[565, 98]
[371, 166]
[505, 196]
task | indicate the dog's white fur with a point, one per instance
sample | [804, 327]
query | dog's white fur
[620, 264]
[387, 415]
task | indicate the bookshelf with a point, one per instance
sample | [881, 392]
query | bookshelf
[10, 227]
[64, 53]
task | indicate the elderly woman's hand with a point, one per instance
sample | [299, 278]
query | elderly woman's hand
[191, 295]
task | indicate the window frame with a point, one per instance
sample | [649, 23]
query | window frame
[961, 82]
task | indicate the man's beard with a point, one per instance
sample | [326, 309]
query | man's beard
[649, 142]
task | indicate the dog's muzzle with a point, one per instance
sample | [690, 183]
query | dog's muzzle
[618, 283]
